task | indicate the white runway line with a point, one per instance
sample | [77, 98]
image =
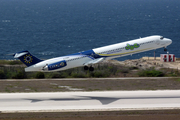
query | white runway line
[87, 101]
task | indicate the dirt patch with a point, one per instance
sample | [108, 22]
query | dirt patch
[97, 115]
[60, 85]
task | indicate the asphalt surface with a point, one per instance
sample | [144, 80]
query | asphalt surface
[89, 101]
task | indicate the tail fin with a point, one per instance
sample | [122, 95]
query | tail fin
[27, 58]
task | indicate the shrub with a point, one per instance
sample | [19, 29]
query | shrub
[124, 70]
[19, 75]
[78, 75]
[150, 73]
[15, 62]
[99, 74]
[56, 75]
[39, 75]
[2, 75]
[9, 62]
[113, 69]
[133, 68]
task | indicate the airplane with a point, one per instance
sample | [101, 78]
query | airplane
[93, 56]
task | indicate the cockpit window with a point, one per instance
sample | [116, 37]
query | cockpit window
[161, 37]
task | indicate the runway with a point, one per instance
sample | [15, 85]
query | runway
[89, 101]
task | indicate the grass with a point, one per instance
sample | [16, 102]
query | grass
[10, 62]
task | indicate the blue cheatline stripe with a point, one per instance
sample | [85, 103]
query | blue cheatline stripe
[90, 57]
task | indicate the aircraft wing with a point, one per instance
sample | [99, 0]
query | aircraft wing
[94, 61]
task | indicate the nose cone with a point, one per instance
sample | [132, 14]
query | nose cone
[168, 41]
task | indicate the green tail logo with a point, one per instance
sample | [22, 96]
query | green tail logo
[131, 47]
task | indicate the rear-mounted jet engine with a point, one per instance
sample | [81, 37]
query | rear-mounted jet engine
[54, 66]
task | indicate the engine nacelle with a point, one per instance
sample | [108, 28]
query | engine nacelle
[55, 66]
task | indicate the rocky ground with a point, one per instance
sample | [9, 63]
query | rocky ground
[145, 62]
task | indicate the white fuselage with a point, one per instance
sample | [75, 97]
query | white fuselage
[106, 52]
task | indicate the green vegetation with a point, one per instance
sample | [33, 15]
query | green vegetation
[178, 80]
[39, 75]
[2, 74]
[16, 71]
[151, 73]
[171, 72]
[19, 75]
[101, 70]
[10, 62]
